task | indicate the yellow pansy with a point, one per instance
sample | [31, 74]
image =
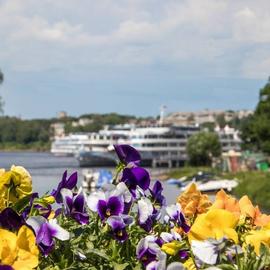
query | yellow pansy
[16, 183]
[189, 264]
[216, 223]
[193, 202]
[258, 237]
[171, 248]
[48, 199]
[19, 251]
[2, 171]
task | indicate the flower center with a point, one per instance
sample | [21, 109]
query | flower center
[108, 212]
[144, 259]
[120, 233]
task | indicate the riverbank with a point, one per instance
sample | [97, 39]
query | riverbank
[255, 184]
[31, 147]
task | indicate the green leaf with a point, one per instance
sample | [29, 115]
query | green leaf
[99, 253]
[117, 266]
[226, 267]
[22, 203]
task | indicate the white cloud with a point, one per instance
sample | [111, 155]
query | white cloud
[223, 36]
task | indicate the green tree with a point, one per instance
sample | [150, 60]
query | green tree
[221, 121]
[256, 130]
[202, 147]
[1, 100]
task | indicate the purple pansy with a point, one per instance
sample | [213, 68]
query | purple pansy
[9, 219]
[136, 177]
[46, 231]
[75, 206]
[6, 267]
[176, 216]
[105, 205]
[68, 183]
[127, 154]
[118, 226]
[156, 193]
[44, 209]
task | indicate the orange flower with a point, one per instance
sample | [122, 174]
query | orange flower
[226, 202]
[193, 202]
[248, 210]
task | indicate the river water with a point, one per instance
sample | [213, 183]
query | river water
[47, 169]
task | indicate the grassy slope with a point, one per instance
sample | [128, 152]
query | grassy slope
[255, 184]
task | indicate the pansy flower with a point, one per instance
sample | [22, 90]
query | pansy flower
[46, 231]
[118, 226]
[175, 215]
[127, 154]
[75, 205]
[120, 190]
[18, 251]
[105, 205]
[216, 223]
[136, 177]
[9, 219]
[16, 183]
[150, 254]
[207, 251]
[156, 193]
[68, 183]
[145, 213]
[193, 202]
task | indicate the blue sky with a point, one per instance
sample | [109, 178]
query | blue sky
[132, 56]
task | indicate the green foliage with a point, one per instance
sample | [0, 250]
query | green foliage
[220, 119]
[35, 134]
[1, 77]
[201, 147]
[1, 100]
[98, 121]
[24, 134]
[254, 184]
[256, 131]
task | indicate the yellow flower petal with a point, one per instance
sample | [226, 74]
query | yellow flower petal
[189, 264]
[49, 199]
[171, 248]
[216, 223]
[8, 247]
[257, 238]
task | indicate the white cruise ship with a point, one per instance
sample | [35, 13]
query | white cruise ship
[158, 145]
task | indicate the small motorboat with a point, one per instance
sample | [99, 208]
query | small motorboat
[93, 180]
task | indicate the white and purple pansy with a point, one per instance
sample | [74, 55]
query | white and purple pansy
[169, 237]
[175, 215]
[118, 226]
[147, 250]
[105, 205]
[46, 231]
[145, 213]
[68, 183]
[74, 205]
[207, 251]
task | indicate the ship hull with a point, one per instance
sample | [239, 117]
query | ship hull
[96, 159]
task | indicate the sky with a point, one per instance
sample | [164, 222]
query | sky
[132, 56]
